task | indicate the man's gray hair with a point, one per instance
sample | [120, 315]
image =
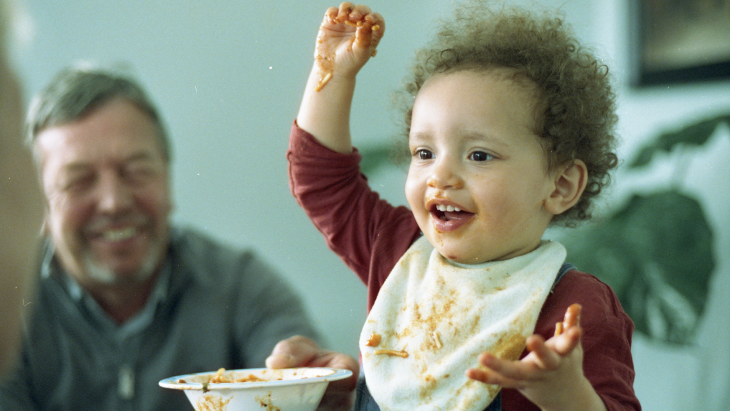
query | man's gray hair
[77, 90]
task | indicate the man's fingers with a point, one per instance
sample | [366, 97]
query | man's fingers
[275, 361]
[300, 351]
[296, 351]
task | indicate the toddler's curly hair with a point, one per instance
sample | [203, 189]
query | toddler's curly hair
[575, 110]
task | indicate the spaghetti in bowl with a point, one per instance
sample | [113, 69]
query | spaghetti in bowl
[286, 389]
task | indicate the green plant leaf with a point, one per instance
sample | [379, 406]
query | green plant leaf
[694, 134]
[656, 253]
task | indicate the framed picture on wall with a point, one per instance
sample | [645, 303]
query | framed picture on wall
[681, 41]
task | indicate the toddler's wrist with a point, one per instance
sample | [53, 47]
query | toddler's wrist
[583, 398]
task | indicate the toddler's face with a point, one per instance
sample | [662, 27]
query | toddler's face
[478, 176]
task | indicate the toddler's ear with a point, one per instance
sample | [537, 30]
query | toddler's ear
[570, 181]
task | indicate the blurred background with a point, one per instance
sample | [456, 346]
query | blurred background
[228, 77]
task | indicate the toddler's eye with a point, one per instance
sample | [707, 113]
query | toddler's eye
[479, 156]
[423, 154]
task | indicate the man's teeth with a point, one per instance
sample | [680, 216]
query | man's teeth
[442, 207]
[119, 235]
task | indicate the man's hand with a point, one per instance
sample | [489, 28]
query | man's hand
[300, 351]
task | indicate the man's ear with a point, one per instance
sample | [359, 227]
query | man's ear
[570, 181]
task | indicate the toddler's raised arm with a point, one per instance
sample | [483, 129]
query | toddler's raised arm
[348, 37]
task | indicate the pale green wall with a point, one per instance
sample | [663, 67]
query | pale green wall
[228, 76]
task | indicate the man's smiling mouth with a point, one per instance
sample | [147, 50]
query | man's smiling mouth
[120, 234]
[117, 234]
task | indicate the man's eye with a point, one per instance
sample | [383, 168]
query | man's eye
[138, 174]
[424, 154]
[479, 156]
[78, 184]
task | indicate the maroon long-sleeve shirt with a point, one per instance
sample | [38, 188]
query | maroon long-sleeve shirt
[370, 235]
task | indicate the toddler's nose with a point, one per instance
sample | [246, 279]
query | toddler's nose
[444, 176]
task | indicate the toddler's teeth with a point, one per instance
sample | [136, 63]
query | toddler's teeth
[443, 208]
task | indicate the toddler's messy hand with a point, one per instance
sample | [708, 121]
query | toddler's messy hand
[551, 375]
[348, 37]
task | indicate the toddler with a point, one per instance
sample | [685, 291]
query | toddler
[510, 130]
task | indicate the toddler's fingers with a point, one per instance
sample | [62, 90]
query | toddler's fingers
[364, 36]
[377, 23]
[572, 316]
[567, 342]
[491, 377]
[510, 374]
[358, 12]
[343, 14]
[545, 358]
[330, 16]
[500, 370]
[478, 374]
[569, 336]
[369, 28]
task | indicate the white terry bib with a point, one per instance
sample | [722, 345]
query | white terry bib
[434, 318]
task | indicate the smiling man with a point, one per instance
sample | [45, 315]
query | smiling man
[125, 299]
[125, 171]
[105, 177]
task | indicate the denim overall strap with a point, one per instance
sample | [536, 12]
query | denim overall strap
[563, 269]
[365, 402]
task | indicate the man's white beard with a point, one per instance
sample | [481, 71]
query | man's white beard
[103, 274]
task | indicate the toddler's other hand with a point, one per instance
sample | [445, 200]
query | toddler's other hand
[551, 375]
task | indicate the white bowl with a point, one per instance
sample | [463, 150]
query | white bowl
[287, 389]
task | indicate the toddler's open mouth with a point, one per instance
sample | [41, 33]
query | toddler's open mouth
[449, 213]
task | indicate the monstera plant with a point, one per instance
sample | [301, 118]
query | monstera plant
[655, 251]
[656, 254]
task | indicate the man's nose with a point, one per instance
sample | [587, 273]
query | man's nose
[114, 194]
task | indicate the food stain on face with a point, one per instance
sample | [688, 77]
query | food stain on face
[212, 402]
